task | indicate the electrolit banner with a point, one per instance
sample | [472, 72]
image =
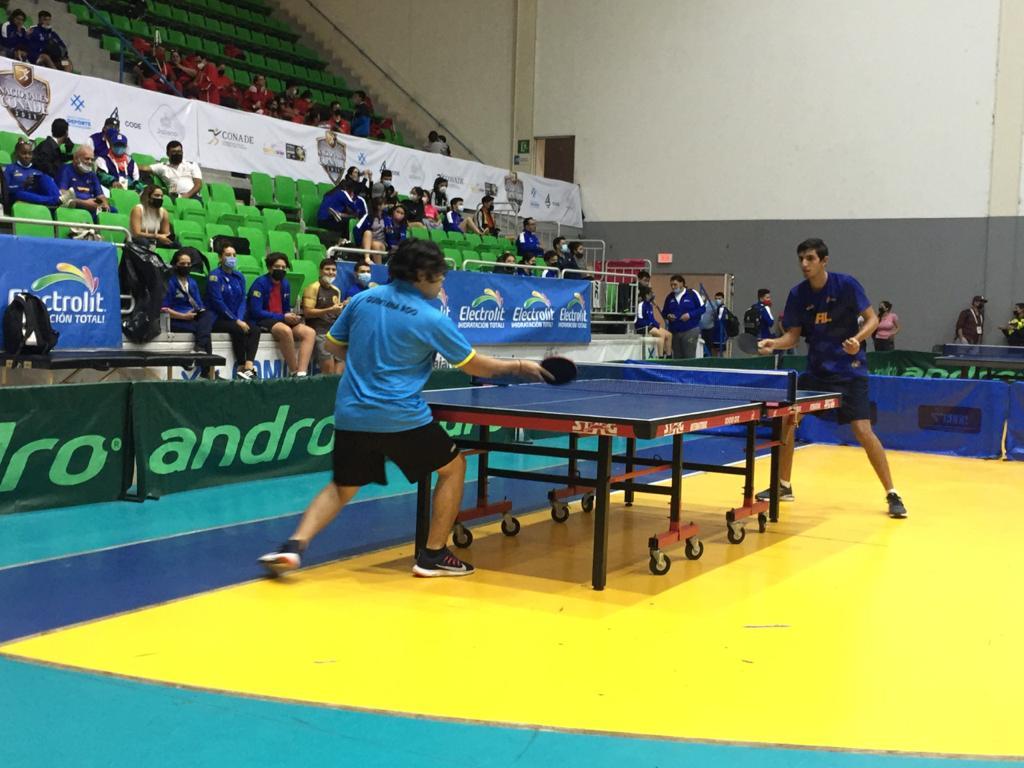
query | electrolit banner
[77, 281]
[509, 309]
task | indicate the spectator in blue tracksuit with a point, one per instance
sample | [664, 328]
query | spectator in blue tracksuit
[184, 304]
[647, 325]
[80, 177]
[48, 49]
[14, 39]
[26, 183]
[766, 329]
[551, 259]
[361, 117]
[528, 242]
[453, 218]
[395, 228]
[270, 308]
[682, 311]
[715, 334]
[338, 206]
[225, 300]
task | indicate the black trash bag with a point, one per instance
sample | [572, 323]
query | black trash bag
[143, 275]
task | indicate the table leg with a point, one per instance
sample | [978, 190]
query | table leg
[773, 504]
[676, 499]
[572, 470]
[630, 453]
[484, 436]
[422, 514]
[599, 574]
[748, 476]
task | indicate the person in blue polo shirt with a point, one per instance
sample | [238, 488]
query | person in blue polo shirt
[270, 307]
[79, 183]
[184, 304]
[528, 242]
[26, 183]
[832, 312]
[338, 206]
[387, 339]
[682, 312]
[225, 299]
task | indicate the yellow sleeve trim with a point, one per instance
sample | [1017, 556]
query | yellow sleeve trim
[336, 341]
[470, 356]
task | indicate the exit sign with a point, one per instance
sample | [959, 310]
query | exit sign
[524, 147]
[664, 258]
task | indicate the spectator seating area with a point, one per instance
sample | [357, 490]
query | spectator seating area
[242, 35]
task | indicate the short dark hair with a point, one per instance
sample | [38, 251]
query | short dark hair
[325, 262]
[15, 13]
[678, 278]
[361, 94]
[527, 220]
[643, 273]
[549, 254]
[396, 207]
[47, 14]
[385, 172]
[414, 256]
[556, 241]
[454, 200]
[223, 245]
[645, 292]
[432, 136]
[276, 256]
[486, 199]
[59, 127]
[762, 292]
[815, 244]
[574, 245]
[194, 255]
[172, 144]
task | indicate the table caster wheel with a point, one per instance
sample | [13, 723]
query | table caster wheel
[660, 563]
[694, 548]
[560, 512]
[462, 537]
[762, 523]
[587, 502]
[510, 526]
[735, 533]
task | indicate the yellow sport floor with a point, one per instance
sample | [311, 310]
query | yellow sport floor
[837, 628]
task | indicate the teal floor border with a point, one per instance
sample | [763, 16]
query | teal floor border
[60, 717]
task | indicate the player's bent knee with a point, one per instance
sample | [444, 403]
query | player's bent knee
[456, 466]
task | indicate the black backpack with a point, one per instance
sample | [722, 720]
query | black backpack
[27, 329]
[731, 322]
[752, 320]
[143, 275]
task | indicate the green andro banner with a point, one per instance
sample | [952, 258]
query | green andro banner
[63, 444]
[193, 434]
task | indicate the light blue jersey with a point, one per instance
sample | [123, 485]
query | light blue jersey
[392, 334]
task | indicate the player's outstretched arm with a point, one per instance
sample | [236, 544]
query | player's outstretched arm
[492, 367]
[788, 340]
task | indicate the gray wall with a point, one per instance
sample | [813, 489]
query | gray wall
[928, 268]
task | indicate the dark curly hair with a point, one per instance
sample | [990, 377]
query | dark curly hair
[414, 256]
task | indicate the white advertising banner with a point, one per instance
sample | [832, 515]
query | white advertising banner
[232, 140]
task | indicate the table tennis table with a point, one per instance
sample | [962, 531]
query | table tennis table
[632, 401]
[995, 357]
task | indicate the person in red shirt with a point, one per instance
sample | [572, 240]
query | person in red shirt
[257, 97]
[206, 86]
[269, 306]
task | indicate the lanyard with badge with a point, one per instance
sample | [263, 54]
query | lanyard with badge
[977, 321]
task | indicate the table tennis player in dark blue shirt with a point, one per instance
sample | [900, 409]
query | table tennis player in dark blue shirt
[827, 309]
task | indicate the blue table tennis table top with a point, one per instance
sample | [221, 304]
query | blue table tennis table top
[982, 356]
[642, 405]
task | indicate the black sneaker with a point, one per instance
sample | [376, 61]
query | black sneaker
[896, 509]
[246, 374]
[442, 564]
[286, 558]
[785, 494]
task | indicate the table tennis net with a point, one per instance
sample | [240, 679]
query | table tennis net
[673, 381]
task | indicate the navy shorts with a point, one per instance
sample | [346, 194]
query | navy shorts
[359, 456]
[856, 403]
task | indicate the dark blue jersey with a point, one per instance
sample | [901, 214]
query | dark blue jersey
[826, 318]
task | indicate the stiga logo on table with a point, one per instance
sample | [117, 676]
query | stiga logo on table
[67, 306]
[25, 96]
[536, 312]
[486, 311]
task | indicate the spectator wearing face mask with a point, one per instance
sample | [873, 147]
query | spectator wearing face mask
[506, 264]
[26, 183]
[384, 189]
[51, 154]
[102, 139]
[970, 325]
[118, 169]
[14, 37]
[361, 114]
[453, 220]
[1014, 329]
[257, 95]
[571, 256]
[184, 304]
[527, 262]
[80, 186]
[270, 307]
[766, 326]
[439, 197]
[719, 335]
[888, 326]
[528, 242]
[149, 219]
[414, 208]
[682, 311]
[484, 217]
[321, 305]
[431, 215]
[225, 300]
[434, 144]
[551, 259]
[363, 280]
[48, 49]
[338, 207]
[647, 325]
[182, 177]
[395, 228]
[368, 232]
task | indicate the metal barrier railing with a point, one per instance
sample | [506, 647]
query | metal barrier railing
[600, 303]
[493, 264]
[594, 251]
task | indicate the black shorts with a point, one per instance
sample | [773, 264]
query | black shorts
[856, 402]
[268, 323]
[359, 456]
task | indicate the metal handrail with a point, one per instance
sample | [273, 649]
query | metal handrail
[69, 224]
[503, 264]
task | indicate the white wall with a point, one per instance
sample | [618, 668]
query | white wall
[782, 109]
[456, 60]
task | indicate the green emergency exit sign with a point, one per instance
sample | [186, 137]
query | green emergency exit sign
[524, 147]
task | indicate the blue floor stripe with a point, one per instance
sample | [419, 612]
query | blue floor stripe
[57, 717]
[45, 595]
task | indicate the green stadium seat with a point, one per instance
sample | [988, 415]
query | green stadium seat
[323, 188]
[262, 190]
[191, 209]
[455, 256]
[257, 241]
[470, 255]
[418, 233]
[281, 242]
[166, 254]
[221, 193]
[110, 44]
[73, 216]
[200, 242]
[216, 211]
[309, 247]
[307, 273]
[113, 220]
[213, 230]
[249, 264]
[189, 227]
[5, 157]
[124, 199]
[284, 193]
[23, 210]
[80, 12]
[310, 208]
[273, 218]
[438, 236]
[250, 214]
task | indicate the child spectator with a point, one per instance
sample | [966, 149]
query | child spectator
[270, 307]
[321, 305]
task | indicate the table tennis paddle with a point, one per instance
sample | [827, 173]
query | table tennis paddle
[747, 342]
[561, 368]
